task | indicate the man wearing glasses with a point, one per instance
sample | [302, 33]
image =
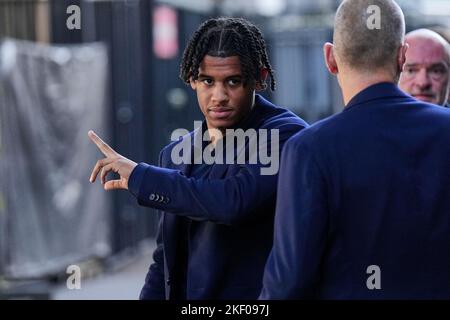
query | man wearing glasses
[425, 75]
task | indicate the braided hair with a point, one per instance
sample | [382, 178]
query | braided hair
[225, 37]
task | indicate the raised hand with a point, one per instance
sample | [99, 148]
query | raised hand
[113, 162]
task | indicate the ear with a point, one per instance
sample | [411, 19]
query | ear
[193, 83]
[330, 60]
[401, 56]
[263, 77]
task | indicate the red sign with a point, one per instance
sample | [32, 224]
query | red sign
[165, 32]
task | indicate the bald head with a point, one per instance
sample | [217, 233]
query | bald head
[426, 72]
[366, 48]
[426, 38]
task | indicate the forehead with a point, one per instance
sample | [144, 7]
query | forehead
[217, 66]
[425, 51]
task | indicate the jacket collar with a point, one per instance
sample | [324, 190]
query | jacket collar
[382, 90]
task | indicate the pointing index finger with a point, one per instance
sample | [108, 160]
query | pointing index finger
[102, 145]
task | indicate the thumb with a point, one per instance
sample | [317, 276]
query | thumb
[113, 185]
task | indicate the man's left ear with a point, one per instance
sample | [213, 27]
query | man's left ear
[261, 84]
[330, 59]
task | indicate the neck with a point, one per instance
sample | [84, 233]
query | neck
[354, 82]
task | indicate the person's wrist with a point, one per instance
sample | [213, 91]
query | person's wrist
[135, 179]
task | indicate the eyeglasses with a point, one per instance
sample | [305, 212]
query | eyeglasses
[436, 72]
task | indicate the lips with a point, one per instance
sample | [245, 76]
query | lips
[220, 112]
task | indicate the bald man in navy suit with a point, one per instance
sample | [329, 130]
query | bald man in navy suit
[363, 202]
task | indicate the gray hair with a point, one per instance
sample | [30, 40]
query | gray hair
[364, 48]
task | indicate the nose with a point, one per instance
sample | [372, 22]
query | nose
[219, 95]
[422, 79]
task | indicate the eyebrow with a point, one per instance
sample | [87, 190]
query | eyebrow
[203, 76]
[437, 64]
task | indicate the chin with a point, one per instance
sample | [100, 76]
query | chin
[222, 123]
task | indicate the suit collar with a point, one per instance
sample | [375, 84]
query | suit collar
[255, 114]
[382, 90]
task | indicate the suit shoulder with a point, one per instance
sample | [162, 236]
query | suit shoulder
[369, 118]
[438, 112]
[276, 117]
[322, 127]
[316, 134]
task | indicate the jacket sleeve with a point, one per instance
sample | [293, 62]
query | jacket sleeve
[300, 234]
[228, 201]
[154, 286]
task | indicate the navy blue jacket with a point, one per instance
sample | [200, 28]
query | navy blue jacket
[367, 187]
[231, 212]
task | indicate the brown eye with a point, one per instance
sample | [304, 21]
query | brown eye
[234, 82]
